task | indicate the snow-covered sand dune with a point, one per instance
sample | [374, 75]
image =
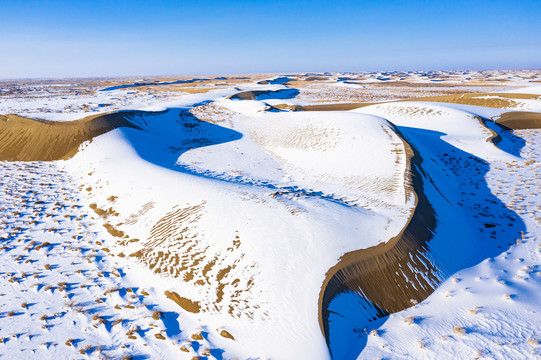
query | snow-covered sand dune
[240, 233]
[295, 232]
[464, 169]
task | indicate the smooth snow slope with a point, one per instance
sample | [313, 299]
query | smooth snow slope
[247, 240]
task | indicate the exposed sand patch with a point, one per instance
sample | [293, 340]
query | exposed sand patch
[176, 249]
[494, 100]
[516, 120]
[186, 304]
[24, 139]
[393, 274]
[264, 94]
[315, 78]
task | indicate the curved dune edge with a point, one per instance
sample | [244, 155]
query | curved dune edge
[383, 274]
[250, 95]
[516, 120]
[24, 139]
[503, 101]
[513, 120]
[494, 137]
[493, 100]
[255, 94]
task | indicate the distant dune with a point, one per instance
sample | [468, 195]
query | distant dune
[265, 94]
[493, 100]
[516, 120]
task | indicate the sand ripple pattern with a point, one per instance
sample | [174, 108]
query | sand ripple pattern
[175, 248]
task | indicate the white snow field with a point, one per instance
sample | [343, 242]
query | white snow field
[225, 227]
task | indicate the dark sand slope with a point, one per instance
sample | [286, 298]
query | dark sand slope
[493, 100]
[516, 120]
[24, 139]
[265, 94]
[331, 107]
[175, 130]
[394, 275]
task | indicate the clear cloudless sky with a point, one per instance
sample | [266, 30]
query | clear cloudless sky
[41, 38]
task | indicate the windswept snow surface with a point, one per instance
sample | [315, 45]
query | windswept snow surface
[527, 90]
[488, 307]
[209, 230]
[263, 228]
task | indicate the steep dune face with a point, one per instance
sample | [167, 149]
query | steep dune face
[368, 284]
[493, 100]
[265, 94]
[391, 276]
[516, 120]
[24, 139]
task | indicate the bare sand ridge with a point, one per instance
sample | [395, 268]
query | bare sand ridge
[315, 78]
[516, 120]
[493, 100]
[24, 139]
[330, 107]
[393, 274]
[258, 94]
[284, 80]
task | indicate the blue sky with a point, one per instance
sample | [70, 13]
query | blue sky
[166, 37]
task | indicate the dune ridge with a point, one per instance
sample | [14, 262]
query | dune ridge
[383, 274]
[493, 100]
[518, 120]
[265, 94]
[25, 139]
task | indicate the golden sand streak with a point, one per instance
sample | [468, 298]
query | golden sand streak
[23, 139]
[517, 120]
[493, 100]
[392, 274]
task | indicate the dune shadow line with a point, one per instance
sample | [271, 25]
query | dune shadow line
[393, 276]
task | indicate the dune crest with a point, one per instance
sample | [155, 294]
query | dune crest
[24, 139]
[517, 120]
[394, 275]
[493, 100]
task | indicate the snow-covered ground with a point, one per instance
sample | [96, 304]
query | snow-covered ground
[490, 310]
[489, 306]
[210, 229]
[63, 295]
